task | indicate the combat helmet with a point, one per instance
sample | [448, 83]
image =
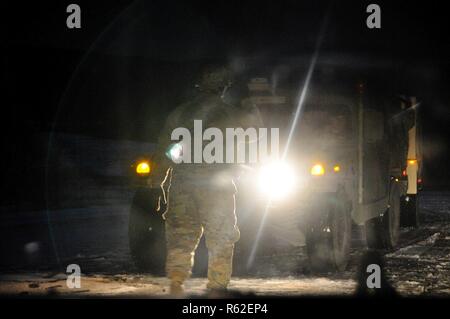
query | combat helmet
[215, 79]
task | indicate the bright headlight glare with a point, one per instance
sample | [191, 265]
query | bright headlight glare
[277, 179]
[174, 152]
[317, 170]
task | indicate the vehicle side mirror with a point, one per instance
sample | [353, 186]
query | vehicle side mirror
[373, 126]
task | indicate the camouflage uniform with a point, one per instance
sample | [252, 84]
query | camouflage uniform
[193, 210]
[201, 195]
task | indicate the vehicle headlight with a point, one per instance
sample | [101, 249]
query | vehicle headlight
[317, 170]
[277, 179]
[143, 168]
[175, 152]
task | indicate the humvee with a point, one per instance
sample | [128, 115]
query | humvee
[352, 159]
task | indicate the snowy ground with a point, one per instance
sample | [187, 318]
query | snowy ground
[98, 243]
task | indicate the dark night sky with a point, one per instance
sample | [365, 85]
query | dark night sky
[134, 60]
[43, 55]
[242, 26]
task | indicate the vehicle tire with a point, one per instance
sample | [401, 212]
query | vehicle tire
[383, 232]
[328, 235]
[409, 210]
[242, 253]
[146, 232]
[246, 213]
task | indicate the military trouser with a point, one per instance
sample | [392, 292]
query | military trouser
[192, 210]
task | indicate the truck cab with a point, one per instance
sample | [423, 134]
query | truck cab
[350, 155]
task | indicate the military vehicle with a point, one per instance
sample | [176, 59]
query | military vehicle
[353, 159]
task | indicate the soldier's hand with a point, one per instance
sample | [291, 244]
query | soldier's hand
[151, 182]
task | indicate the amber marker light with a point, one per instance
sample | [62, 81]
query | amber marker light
[317, 170]
[143, 168]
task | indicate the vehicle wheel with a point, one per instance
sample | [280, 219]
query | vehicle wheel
[146, 232]
[242, 252]
[242, 265]
[409, 210]
[328, 236]
[383, 232]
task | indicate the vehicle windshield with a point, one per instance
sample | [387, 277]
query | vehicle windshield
[324, 127]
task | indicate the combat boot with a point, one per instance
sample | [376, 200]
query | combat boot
[176, 289]
[217, 292]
